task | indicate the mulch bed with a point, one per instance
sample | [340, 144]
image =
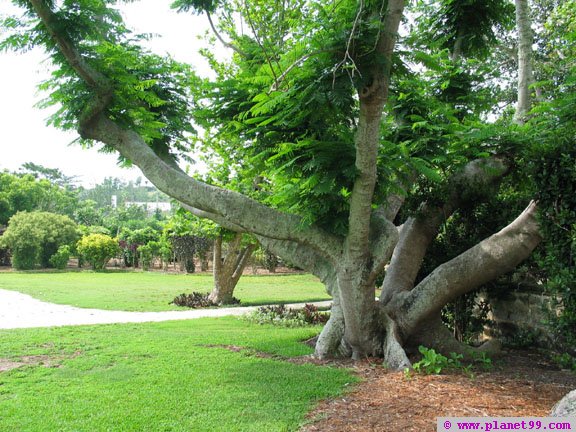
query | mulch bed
[521, 384]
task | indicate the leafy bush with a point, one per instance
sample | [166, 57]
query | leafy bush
[434, 363]
[33, 238]
[146, 253]
[98, 249]
[555, 177]
[60, 259]
[286, 317]
[197, 300]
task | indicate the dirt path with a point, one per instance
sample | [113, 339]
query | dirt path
[23, 311]
[521, 384]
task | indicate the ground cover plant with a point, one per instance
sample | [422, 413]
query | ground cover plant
[174, 376]
[139, 291]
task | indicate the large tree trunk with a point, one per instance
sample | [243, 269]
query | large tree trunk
[227, 271]
[525, 71]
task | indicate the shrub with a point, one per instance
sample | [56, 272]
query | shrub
[432, 362]
[33, 238]
[554, 174]
[146, 253]
[98, 249]
[286, 317]
[196, 300]
[60, 259]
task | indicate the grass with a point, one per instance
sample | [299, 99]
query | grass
[149, 291]
[161, 377]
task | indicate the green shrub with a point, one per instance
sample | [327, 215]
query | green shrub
[25, 256]
[286, 317]
[33, 238]
[60, 259]
[146, 253]
[554, 174]
[196, 300]
[98, 249]
[432, 362]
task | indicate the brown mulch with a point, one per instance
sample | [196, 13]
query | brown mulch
[520, 384]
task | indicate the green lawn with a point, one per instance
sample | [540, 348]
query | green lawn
[148, 291]
[170, 376]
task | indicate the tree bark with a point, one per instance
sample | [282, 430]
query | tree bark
[419, 231]
[227, 271]
[492, 257]
[525, 72]
[355, 274]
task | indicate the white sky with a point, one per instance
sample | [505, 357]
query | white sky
[24, 136]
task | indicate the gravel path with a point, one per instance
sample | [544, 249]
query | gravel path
[23, 311]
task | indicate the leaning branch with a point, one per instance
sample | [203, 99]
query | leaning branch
[419, 231]
[101, 85]
[91, 76]
[221, 39]
[230, 207]
[492, 257]
[235, 208]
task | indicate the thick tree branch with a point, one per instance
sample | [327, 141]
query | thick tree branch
[91, 76]
[419, 231]
[232, 207]
[494, 256]
[372, 100]
[525, 73]
[102, 86]
[301, 256]
[214, 217]
[383, 240]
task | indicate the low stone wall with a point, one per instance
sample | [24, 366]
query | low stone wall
[519, 317]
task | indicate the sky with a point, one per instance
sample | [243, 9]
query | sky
[24, 136]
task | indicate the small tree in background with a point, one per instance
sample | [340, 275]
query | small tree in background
[229, 268]
[98, 249]
[33, 238]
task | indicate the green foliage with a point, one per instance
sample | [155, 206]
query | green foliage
[472, 24]
[98, 249]
[27, 193]
[286, 317]
[60, 259]
[553, 173]
[33, 238]
[150, 92]
[432, 362]
[197, 300]
[565, 361]
[266, 259]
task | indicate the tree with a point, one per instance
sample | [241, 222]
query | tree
[299, 111]
[229, 268]
[98, 249]
[53, 175]
[26, 193]
[35, 237]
